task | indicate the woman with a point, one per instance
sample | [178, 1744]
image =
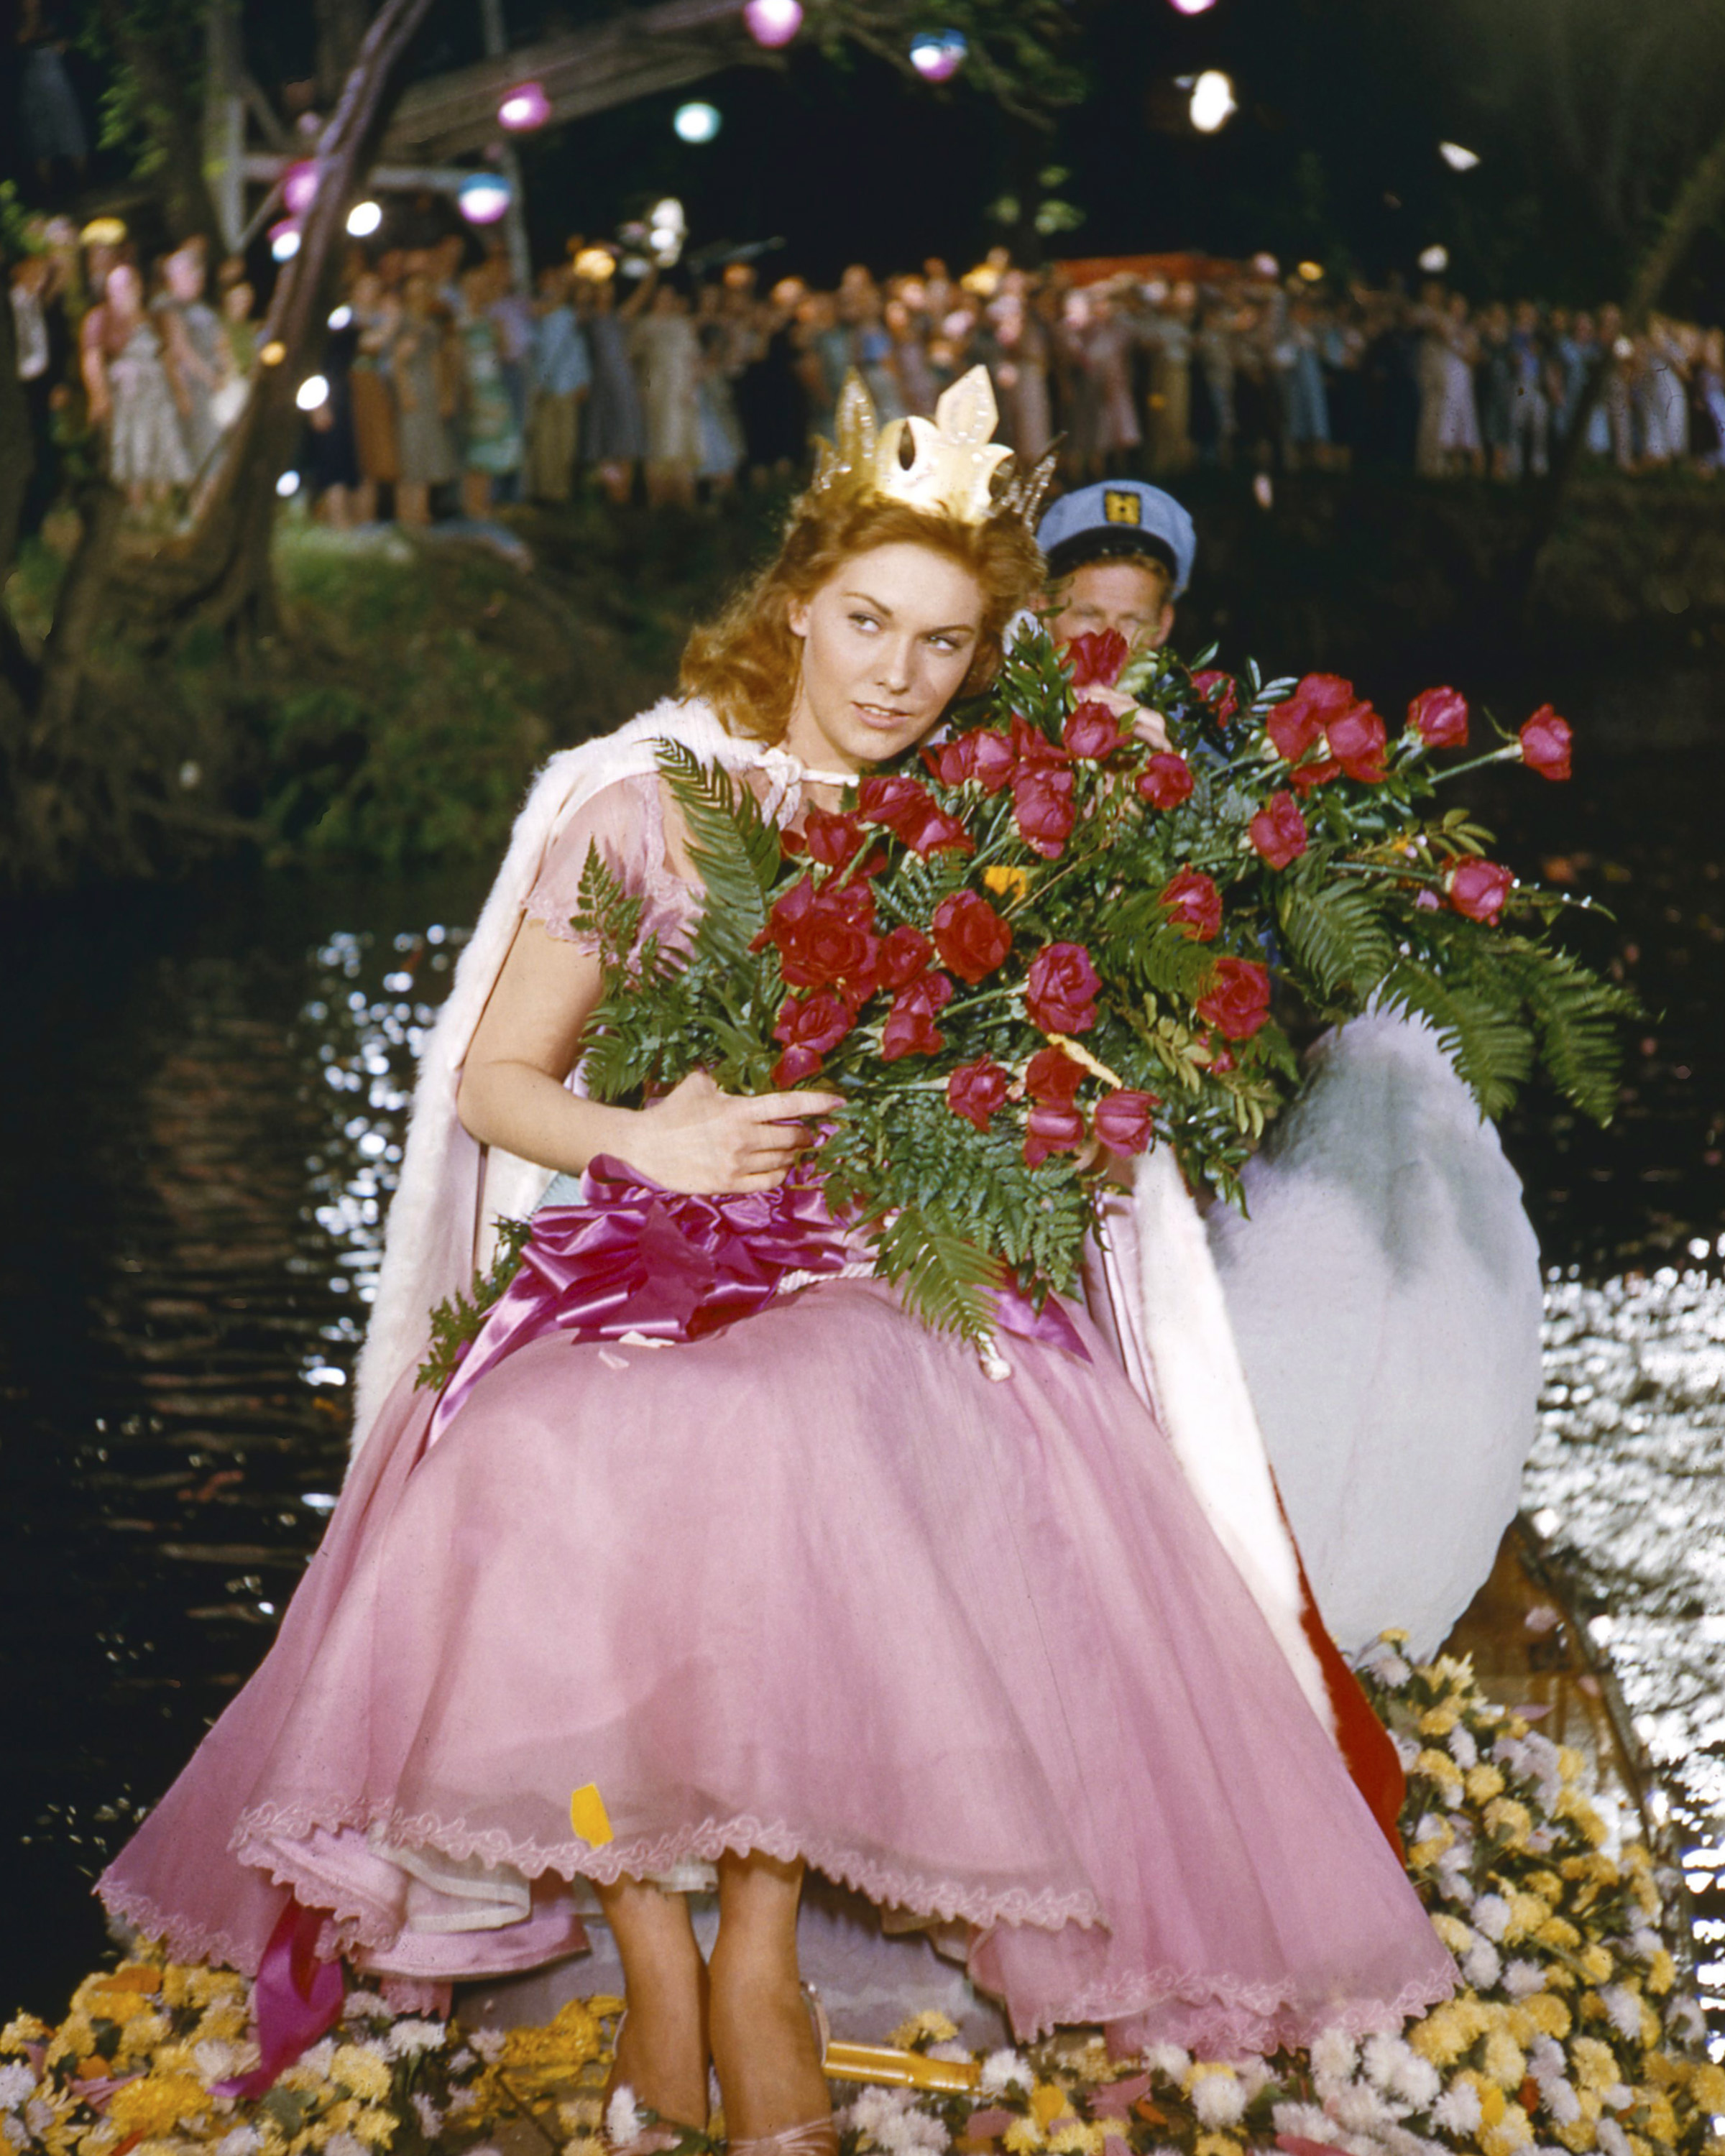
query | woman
[424, 401]
[814, 1586]
[490, 433]
[131, 398]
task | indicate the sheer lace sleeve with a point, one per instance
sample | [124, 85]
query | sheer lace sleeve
[626, 822]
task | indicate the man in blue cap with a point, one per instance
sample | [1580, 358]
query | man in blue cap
[1119, 555]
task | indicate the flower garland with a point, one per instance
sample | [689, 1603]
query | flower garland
[1079, 926]
[1570, 2033]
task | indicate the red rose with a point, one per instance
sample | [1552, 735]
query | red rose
[970, 936]
[902, 957]
[1278, 830]
[1478, 889]
[1053, 1075]
[1220, 692]
[1061, 991]
[909, 1027]
[1122, 1120]
[1092, 731]
[1051, 1129]
[831, 841]
[1296, 726]
[993, 760]
[976, 1090]
[1032, 746]
[1440, 718]
[909, 812]
[1239, 998]
[1097, 661]
[795, 1067]
[1042, 801]
[1358, 741]
[1545, 744]
[821, 936]
[819, 1021]
[1166, 780]
[953, 763]
[1193, 904]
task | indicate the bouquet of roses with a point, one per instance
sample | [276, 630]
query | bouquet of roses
[1076, 926]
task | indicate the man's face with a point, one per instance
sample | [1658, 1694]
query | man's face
[1124, 595]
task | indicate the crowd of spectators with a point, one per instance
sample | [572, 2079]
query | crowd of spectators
[445, 389]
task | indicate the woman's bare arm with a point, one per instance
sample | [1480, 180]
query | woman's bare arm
[512, 1092]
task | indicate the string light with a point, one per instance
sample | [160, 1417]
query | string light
[526, 107]
[937, 55]
[773, 23]
[1434, 260]
[1213, 101]
[298, 186]
[312, 393]
[483, 198]
[285, 240]
[1191, 6]
[1456, 158]
[696, 122]
[364, 218]
[288, 483]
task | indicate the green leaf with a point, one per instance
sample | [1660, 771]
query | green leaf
[734, 850]
[1335, 932]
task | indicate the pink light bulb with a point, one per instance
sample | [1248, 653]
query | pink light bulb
[773, 23]
[527, 106]
[298, 186]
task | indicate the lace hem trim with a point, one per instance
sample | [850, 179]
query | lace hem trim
[1237, 2018]
[261, 1829]
[186, 1942]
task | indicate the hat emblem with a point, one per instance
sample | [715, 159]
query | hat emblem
[1119, 505]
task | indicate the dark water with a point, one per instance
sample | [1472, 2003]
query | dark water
[202, 1108]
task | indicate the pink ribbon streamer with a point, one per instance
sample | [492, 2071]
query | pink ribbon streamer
[297, 1998]
[635, 1258]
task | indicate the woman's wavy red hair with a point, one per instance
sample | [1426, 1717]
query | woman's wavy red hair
[747, 663]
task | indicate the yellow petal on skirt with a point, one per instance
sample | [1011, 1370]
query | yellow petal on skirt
[587, 1815]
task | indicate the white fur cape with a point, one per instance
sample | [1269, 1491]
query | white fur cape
[1156, 1288]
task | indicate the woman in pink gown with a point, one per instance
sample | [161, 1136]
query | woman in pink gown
[812, 1589]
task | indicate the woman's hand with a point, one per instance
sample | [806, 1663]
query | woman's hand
[699, 1139]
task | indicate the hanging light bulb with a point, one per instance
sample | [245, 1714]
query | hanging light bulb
[341, 317]
[1434, 260]
[937, 55]
[483, 198]
[1213, 101]
[288, 483]
[285, 240]
[364, 218]
[526, 107]
[298, 186]
[313, 392]
[696, 122]
[1456, 158]
[773, 23]
[1192, 7]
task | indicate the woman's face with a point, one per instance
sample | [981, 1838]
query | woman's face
[887, 641]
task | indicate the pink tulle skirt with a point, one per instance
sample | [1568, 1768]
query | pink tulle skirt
[816, 1586]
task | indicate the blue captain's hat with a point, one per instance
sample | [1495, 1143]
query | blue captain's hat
[1115, 517]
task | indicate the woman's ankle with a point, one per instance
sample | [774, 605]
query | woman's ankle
[765, 2049]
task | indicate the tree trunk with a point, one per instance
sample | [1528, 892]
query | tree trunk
[17, 458]
[169, 93]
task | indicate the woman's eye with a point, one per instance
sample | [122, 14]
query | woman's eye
[865, 620]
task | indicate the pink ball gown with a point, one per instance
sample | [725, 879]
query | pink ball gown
[814, 1585]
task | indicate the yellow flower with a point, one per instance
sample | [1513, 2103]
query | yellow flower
[1217, 2144]
[1482, 1784]
[1661, 1973]
[1425, 1854]
[1578, 2137]
[1493, 2103]
[1505, 2060]
[1438, 1721]
[1439, 1767]
[224, 2021]
[1573, 1805]
[1447, 2030]
[1546, 2015]
[1511, 2131]
[1556, 1931]
[1596, 1963]
[1526, 1913]
[1594, 2064]
[190, 1984]
[1048, 2102]
[930, 2028]
[1572, 1765]
[1079, 2140]
[1507, 1821]
[1455, 1934]
[23, 2028]
[157, 2103]
[1023, 2137]
[73, 2040]
[1005, 883]
[376, 2129]
[1707, 2084]
[1661, 2121]
[361, 2070]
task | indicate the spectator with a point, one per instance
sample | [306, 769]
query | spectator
[561, 374]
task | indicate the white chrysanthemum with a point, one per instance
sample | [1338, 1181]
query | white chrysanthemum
[343, 2143]
[1625, 2009]
[1522, 1978]
[1399, 2071]
[219, 2061]
[408, 2039]
[1333, 2055]
[1359, 2107]
[1302, 2122]
[623, 2116]
[1168, 2060]
[316, 2064]
[1407, 1750]
[1481, 1965]
[1560, 2101]
[38, 2116]
[1385, 1664]
[431, 2118]
[462, 2099]
[488, 2043]
[889, 2119]
[242, 2141]
[1612, 2139]
[1380, 2059]
[953, 2054]
[1454, 1884]
[17, 2085]
[1685, 2021]
[1491, 1915]
[1218, 2100]
[1005, 2070]
[1542, 1841]
[1462, 1749]
[1457, 2110]
[1644, 1942]
[364, 2006]
[1618, 2097]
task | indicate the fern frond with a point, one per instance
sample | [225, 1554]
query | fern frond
[1335, 932]
[734, 850]
[1489, 1044]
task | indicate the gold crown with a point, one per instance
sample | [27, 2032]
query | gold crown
[952, 466]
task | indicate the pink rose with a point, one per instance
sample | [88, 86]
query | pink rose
[1357, 743]
[1122, 1120]
[910, 1028]
[1049, 1128]
[970, 936]
[1478, 889]
[1194, 904]
[1097, 659]
[1060, 992]
[1166, 781]
[795, 1068]
[1220, 692]
[993, 760]
[1042, 802]
[953, 763]
[1545, 744]
[1238, 1001]
[1053, 1075]
[977, 1091]
[1092, 731]
[1440, 718]
[1278, 830]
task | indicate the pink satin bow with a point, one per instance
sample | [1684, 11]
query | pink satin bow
[635, 1258]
